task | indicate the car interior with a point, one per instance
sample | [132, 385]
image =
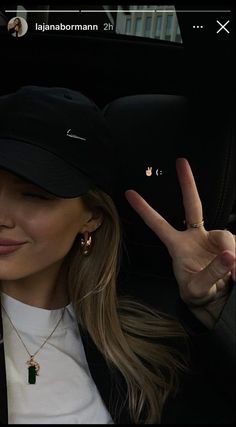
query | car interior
[163, 77]
[163, 97]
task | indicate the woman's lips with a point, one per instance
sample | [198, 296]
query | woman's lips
[4, 250]
[6, 242]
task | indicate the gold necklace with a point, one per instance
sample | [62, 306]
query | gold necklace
[33, 365]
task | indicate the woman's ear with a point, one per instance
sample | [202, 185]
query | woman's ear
[93, 223]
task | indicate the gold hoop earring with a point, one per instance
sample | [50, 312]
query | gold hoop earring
[86, 245]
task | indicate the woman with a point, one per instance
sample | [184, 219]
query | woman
[75, 351]
[15, 27]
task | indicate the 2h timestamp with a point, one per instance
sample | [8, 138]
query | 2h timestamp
[107, 26]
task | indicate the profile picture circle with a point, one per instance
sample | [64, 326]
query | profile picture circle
[17, 26]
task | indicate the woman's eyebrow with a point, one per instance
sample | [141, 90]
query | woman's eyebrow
[42, 190]
[20, 183]
[30, 184]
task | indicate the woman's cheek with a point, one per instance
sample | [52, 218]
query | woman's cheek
[51, 229]
[54, 237]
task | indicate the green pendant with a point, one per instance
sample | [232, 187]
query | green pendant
[33, 370]
[32, 374]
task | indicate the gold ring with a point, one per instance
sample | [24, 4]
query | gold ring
[195, 225]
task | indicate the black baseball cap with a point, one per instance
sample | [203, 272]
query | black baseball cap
[58, 139]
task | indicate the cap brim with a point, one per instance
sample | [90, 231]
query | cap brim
[43, 168]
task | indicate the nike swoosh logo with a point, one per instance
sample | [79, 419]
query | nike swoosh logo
[72, 135]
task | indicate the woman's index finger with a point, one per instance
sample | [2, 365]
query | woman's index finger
[152, 219]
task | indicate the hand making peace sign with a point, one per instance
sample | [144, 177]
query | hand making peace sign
[203, 261]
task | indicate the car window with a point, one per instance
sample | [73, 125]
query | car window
[156, 22]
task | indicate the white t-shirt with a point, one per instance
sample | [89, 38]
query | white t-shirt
[64, 392]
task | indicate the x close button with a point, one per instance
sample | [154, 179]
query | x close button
[222, 27]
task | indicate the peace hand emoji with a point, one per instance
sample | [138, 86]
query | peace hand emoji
[202, 260]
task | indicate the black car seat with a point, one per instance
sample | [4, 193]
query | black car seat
[152, 131]
[149, 132]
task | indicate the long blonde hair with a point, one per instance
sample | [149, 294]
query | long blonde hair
[126, 332]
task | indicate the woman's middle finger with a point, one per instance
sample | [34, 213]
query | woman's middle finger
[191, 199]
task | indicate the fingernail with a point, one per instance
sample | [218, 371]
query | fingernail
[225, 260]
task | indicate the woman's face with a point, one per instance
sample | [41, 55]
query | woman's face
[46, 224]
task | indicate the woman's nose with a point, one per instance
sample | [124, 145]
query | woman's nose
[6, 210]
